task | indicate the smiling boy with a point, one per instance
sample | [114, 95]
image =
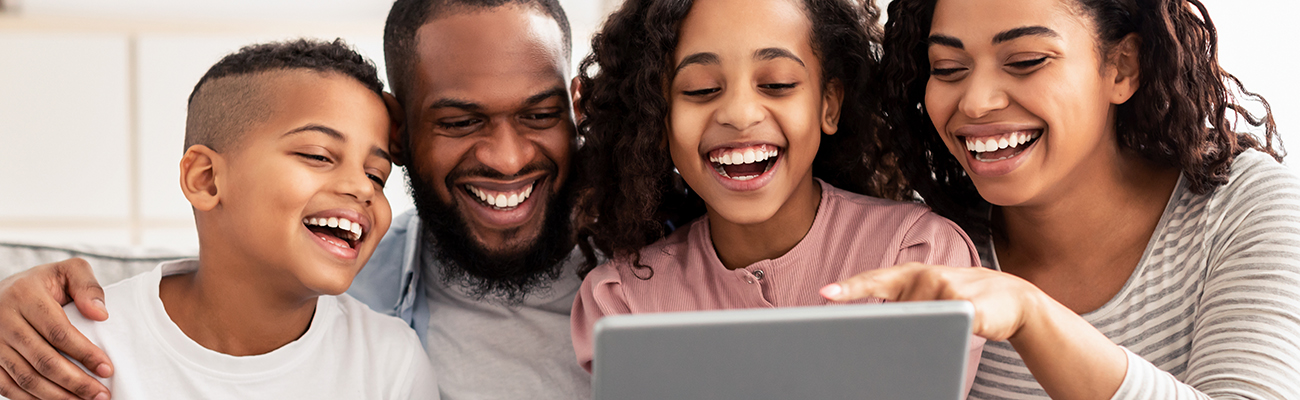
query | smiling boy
[285, 162]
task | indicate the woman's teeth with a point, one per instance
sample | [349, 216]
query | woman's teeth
[501, 200]
[1000, 142]
[353, 229]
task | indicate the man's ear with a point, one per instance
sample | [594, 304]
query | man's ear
[832, 100]
[202, 172]
[396, 128]
[575, 93]
[1127, 66]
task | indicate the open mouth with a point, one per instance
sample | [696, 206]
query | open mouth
[340, 232]
[502, 199]
[1001, 147]
[744, 163]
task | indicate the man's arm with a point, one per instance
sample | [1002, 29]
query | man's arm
[34, 329]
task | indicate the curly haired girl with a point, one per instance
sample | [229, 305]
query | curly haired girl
[763, 109]
[1141, 246]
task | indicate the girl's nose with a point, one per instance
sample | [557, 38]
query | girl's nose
[740, 110]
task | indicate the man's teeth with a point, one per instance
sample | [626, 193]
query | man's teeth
[748, 156]
[337, 223]
[995, 144]
[501, 200]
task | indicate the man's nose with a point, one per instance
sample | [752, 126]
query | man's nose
[506, 150]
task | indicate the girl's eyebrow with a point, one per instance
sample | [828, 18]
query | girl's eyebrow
[771, 53]
[697, 58]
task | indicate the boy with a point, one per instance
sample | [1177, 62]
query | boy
[285, 162]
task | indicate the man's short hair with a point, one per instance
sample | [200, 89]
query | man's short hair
[407, 16]
[232, 96]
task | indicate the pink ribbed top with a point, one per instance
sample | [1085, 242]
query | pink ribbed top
[851, 234]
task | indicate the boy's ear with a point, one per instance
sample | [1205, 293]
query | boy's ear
[1127, 64]
[396, 128]
[201, 172]
[832, 100]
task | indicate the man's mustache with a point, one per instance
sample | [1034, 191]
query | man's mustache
[545, 166]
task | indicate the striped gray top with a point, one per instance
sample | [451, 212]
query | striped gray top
[1212, 309]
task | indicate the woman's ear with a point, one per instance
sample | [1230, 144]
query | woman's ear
[201, 173]
[396, 128]
[832, 100]
[575, 93]
[1126, 63]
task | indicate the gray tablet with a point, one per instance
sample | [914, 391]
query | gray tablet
[914, 350]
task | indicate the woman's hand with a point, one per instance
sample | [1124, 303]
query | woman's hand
[1066, 354]
[1002, 301]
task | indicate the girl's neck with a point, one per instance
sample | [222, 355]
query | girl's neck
[1097, 226]
[222, 309]
[739, 245]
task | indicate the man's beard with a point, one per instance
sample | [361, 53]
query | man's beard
[505, 276]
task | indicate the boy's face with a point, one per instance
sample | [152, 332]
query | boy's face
[321, 158]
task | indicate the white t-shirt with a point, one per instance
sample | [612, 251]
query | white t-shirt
[349, 352]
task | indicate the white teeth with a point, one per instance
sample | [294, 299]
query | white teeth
[979, 146]
[749, 156]
[1011, 141]
[501, 200]
[1002, 143]
[353, 228]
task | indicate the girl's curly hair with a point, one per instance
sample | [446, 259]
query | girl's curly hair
[1179, 116]
[627, 187]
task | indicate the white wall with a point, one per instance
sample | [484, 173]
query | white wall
[92, 97]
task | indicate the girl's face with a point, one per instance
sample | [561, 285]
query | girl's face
[747, 105]
[1021, 96]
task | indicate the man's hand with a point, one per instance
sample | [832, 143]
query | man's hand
[34, 329]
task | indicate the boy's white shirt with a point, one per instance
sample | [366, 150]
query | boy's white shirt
[349, 352]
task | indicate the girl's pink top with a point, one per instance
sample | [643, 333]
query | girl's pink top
[851, 234]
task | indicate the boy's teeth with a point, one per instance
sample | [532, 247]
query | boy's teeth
[344, 224]
[501, 200]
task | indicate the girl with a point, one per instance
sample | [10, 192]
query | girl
[1147, 249]
[737, 96]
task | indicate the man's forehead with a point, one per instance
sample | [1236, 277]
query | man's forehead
[508, 51]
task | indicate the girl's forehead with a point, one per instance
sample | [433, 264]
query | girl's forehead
[738, 28]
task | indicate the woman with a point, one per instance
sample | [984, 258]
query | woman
[1141, 247]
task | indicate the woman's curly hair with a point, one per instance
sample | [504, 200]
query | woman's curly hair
[628, 190]
[1182, 114]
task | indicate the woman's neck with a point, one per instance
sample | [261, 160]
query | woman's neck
[740, 245]
[222, 309]
[1082, 244]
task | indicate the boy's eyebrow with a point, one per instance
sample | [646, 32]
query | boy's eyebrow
[1023, 31]
[697, 58]
[945, 40]
[331, 132]
[381, 153]
[772, 53]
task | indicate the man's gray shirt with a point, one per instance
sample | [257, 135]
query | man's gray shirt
[480, 348]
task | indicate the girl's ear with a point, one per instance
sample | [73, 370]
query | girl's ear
[832, 100]
[396, 128]
[1127, 65]
[201, 170]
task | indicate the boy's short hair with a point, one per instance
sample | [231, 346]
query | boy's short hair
[231, 97]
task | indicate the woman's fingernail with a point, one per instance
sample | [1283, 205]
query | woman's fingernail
[831, 290]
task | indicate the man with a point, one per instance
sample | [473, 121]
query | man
[483, 270]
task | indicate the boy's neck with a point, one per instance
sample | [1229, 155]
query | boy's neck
[222, 309]
[738, 246]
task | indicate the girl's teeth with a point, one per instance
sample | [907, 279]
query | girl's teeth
[763, 153]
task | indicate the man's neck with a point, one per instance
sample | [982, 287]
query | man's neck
[222, 308]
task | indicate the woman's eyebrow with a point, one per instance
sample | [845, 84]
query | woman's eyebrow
[771, 53]
[945, 40]
[1023, 31]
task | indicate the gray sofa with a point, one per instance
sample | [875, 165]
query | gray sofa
[110, 264]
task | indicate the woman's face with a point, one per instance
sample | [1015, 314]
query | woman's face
[747, 105]
[1021, 96]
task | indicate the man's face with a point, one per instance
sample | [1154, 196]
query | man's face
[490, 131]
